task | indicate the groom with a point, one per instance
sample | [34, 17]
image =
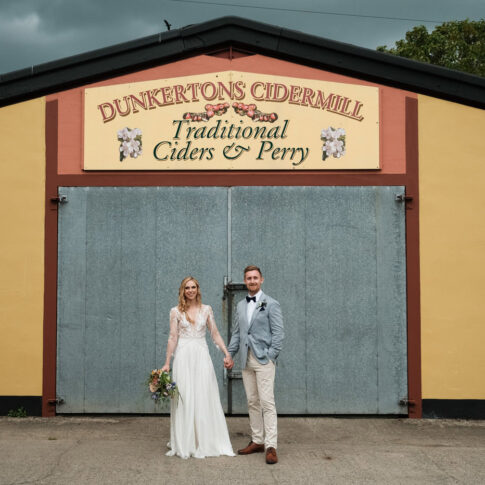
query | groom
[258, 332]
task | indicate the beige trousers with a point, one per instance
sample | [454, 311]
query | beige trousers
[258, 382]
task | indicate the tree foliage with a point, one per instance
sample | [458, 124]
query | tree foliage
[457, 45]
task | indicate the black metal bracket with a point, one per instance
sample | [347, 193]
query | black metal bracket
[229, 287]
[62, 199]
[234, 286]
[404, 198]
[236, 374]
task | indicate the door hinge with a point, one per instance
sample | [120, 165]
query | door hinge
[56, 401]
[404, 198]
[407, 402]
[61, 199]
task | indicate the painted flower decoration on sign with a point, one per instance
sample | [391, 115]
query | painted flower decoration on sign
[210, 110]
[220, 109]
[130, 143]
[252, 111]
[333, 142]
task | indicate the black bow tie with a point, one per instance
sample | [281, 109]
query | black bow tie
[251, 298]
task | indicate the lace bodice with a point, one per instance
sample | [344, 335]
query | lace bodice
[180, 327]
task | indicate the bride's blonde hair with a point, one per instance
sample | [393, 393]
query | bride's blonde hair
[182, 306]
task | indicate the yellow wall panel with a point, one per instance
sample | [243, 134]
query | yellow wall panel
[452, 249]
[22, 188]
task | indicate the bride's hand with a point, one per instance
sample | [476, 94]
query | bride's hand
[166, 368]
[228, 362]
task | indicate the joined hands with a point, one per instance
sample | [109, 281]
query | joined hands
[228, 362]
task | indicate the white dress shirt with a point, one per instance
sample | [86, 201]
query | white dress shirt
[251, 305]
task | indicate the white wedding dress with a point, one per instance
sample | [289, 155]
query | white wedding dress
[197, 423]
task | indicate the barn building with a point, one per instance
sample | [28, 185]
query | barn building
[351, 177]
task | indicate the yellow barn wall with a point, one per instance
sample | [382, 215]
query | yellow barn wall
[22, 188]
[452, 249]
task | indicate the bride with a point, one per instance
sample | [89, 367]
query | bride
[197, 423]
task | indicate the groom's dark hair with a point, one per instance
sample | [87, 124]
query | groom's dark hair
[251, 267]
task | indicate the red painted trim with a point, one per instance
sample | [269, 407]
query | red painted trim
[382, 136]
[229, 179]
[50, 262]
[412, 258]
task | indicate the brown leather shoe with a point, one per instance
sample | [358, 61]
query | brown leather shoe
[251, 448]
[271, 457]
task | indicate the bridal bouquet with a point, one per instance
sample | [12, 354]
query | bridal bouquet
[161, 386]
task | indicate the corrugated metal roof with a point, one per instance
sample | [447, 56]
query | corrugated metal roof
[250, 36]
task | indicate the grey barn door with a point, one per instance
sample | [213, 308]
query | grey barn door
[335, 259]
[122, 255]
[333, 256]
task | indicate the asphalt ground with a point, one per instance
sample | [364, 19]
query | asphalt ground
[311, 450]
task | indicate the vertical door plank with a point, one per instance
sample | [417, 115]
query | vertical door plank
[268, 230]
[103, 300]
[71, 300]
[138, 296]
[191, 240]
[341, 300]
[391, 281]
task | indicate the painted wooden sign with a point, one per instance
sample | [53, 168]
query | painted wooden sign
[231, 121]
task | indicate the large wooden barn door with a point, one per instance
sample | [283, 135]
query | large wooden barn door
[335, 259]
[333, 256]
[123, 252]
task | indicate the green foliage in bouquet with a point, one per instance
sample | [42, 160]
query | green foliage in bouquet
[161, 386]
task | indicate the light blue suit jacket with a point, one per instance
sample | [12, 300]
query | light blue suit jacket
[264, 334]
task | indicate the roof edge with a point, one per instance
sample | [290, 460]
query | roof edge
[253, 36]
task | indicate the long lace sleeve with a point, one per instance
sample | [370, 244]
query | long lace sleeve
[215, 335]
[173, 335]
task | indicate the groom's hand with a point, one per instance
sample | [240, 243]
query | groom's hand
[228, 362]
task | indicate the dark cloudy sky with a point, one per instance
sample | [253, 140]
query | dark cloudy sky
[37, 31]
